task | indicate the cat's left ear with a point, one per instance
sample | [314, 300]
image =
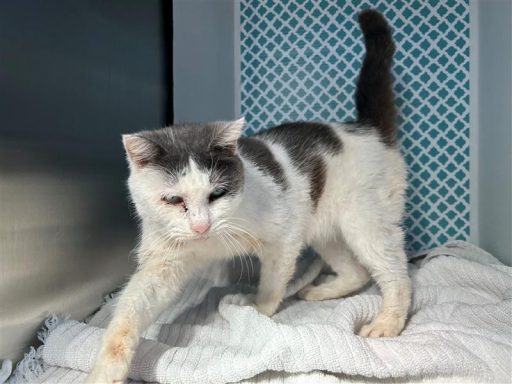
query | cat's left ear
[227, 133]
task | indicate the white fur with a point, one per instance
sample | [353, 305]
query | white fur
[355, 228]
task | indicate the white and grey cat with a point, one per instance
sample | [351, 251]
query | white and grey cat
[203, 193]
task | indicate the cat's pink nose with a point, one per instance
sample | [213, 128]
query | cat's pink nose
[200, 228]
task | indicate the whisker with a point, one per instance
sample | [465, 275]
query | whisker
[257, 243]
[241, 253]
[234, 255]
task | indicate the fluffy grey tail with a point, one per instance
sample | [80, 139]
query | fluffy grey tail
[374, 95]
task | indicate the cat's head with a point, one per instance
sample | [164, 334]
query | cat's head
[186, 180]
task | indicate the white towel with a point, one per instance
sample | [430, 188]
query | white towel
[460, 326]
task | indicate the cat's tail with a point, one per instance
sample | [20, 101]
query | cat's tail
[374, 94]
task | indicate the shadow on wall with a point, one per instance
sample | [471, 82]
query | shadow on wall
[74, 76]
[65, 241]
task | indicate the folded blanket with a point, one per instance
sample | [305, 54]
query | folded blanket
[460, 325]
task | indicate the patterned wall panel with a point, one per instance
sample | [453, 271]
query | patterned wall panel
[300, 60]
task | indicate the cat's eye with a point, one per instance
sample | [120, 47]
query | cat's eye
[174, 200]
[216, 193]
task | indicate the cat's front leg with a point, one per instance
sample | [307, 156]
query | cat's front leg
[277, 268]
[148, 292]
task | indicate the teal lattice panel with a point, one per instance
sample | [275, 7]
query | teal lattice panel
[300, 60]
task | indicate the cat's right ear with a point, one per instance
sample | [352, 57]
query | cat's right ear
[139, 151]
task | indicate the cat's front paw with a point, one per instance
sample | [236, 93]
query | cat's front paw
[267, 308]
[383, 327]
[114, 373]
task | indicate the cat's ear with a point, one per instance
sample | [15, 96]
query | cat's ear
[139, 151]
[227, 133]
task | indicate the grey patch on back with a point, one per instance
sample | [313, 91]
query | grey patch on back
[305, 143]
[258, 153]
[317, 179]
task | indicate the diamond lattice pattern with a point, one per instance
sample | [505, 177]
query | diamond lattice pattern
[300, 60]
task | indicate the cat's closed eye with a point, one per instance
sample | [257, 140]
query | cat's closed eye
[174, 200]
[216, 193]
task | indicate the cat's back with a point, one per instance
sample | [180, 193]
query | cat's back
[329, 160]
[295, 156]
[302, 139]
[304, 144]
[309, 147]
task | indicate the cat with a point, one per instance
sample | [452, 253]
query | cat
[203, 192]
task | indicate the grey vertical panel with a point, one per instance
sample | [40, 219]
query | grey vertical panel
[474, 217]
[204, 69]
[495, 127]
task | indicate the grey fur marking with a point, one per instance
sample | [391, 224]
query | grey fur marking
[177, 144]
[258, 153]
[374, 94]
[306, 143]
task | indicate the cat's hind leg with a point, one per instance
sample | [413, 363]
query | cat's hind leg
[350, 275]
[379, 247]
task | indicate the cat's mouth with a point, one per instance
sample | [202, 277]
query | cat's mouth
[200, 237]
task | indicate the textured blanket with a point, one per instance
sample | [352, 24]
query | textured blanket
[460, 326]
